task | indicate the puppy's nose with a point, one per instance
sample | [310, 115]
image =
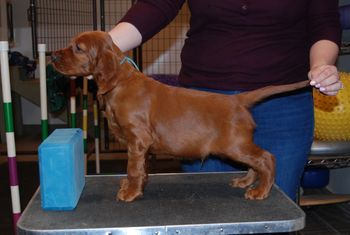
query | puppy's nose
[54, 57]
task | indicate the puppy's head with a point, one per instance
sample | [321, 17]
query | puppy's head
[90, 53]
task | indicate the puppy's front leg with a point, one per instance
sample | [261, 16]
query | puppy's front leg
[132, 186]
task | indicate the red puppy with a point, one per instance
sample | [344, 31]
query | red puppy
[153, 117]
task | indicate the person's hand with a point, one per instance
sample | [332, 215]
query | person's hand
[326, 79]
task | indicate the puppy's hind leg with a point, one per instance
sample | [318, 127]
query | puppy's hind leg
[246, 180]
[263, 167]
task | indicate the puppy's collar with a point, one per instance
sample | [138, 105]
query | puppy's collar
[130, 61]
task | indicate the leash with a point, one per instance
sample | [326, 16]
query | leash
[130, 61]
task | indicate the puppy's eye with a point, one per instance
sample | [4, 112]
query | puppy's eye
[78, 48]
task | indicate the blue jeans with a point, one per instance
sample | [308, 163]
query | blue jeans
[285, 125]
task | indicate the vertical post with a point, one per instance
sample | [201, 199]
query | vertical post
[73, 105]
[10, 135]
[102, 15]
[137, 52]
[94, 14]
[85, 118]
[97, 136]
[43, 91]
[103, 28]
[33, 22]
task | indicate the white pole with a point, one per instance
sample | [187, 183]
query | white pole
[97, 138]
[10, 134]
[5, 73]
[43, 92]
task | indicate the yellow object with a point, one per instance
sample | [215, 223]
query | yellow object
[332, 113]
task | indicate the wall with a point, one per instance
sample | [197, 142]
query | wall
[22, 28]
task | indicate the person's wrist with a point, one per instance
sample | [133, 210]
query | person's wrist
[314, 66]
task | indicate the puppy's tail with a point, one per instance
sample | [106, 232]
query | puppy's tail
[249, 98]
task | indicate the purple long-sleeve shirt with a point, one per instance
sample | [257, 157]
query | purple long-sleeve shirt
[243, 44]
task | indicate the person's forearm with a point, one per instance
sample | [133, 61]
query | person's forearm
[323, 73]
[323, 52]
[125, 36]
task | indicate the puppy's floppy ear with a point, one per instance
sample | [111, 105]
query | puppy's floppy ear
[93, 52]
[106, 71]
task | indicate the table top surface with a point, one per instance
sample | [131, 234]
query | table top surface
[172, 204]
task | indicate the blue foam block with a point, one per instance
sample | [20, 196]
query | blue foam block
[61, 166]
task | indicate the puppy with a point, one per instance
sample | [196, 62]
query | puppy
[153, 117]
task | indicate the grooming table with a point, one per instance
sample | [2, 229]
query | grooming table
[177, 204]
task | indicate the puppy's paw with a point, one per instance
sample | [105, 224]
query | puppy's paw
[126, 192]
[128, 195]
[246, 180]
[240, 183]
[123, 183]
[256, 194]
